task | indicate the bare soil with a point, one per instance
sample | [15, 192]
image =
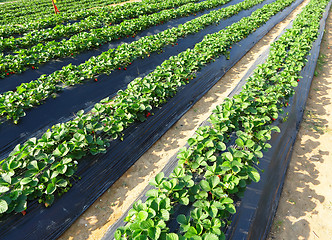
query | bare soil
[305, 206]
[115, 201]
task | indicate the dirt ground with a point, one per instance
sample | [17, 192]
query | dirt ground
[93, 224]
[305, 206]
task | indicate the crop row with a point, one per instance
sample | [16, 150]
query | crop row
[30, 11]
[64, 18]
[105, 18]
[41, 167]
[88, 40]
[208, 175]
[13, 103]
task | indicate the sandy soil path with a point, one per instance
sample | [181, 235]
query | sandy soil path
[305, 206]
[93, 224]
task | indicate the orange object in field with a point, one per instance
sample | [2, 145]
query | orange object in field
[55, 8]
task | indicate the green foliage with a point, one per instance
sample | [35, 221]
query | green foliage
[208, 174]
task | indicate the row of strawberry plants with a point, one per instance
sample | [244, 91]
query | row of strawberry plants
[62, 18]
[226, 173]
[84, 41]
[29, 12]
[42, 167]
[13, 103]
[8, 30]
[105, 18]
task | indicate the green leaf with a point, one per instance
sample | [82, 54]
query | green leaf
[221, 146]
[230, 208]
[50, 188]
[146, 224]
[3, 189]
[61, 183]
[228, 156]
[191, 232]
[253, 174]
[214, 181]
[152, 193]
[210, 236]
[3, 206]
[184, 201]
[226, 200]
[209, 153]
[62, 169]
[61, 150]
[165, 214]
[117, 234]
[182, 219]
[25, 181]
[192, 141]
[159, 177]
[7, 177]
[89, 138]
[205, 185]
[80, 113]
[213, 211]
[21, 205]
[154, 232]
[172, 236]
[142, 215]
[33, 165]
[239, 142]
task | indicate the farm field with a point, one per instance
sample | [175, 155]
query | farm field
[178, 104]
